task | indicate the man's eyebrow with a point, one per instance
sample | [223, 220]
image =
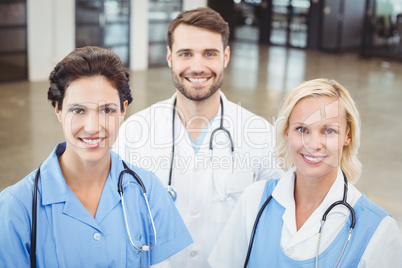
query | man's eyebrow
[76, 105]
[211, 50]
[183, 50]
[108, 105]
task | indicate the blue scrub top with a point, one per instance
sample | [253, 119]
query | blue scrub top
[68, 235]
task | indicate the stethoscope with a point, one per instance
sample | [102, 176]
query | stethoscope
[324, 218]
[170, 189]
[120, 190]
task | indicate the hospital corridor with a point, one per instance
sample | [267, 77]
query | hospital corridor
[257, 77]
[274, 47]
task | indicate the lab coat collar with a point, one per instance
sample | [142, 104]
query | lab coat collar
[54, 189]
[186, 147]
[284, 194]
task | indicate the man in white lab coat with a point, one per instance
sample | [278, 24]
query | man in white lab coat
[205, 170]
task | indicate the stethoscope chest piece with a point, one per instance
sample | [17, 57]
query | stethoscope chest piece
[172, 192]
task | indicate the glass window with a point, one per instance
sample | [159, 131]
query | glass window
[13, 67]
[383, 29]
[88, 11]
[13, 40]
[12, 13]
[87, 36]
[104, 23]
[160, 14]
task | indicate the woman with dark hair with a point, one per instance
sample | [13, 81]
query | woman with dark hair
[78, 216]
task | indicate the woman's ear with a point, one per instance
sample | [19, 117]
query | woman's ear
[123, 113]
[57, 111]
[125, 104]
[348, 138]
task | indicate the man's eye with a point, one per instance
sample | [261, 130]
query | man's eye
[185, 54]
[78, 111]
[108, 110]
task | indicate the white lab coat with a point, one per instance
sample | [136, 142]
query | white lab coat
[383, 250]
[145, 140]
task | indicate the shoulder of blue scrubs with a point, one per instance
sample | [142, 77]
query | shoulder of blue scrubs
[172, 234]
[16, 218]
[22, 190]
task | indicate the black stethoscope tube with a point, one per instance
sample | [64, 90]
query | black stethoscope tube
[35, 198]
[34, 220]
[324, 217]
[127, 170]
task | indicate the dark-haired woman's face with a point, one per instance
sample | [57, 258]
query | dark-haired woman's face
[91, 116]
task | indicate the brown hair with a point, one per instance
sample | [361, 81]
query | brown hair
[205, 18]
[88, 62]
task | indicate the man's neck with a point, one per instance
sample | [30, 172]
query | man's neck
[195, 115]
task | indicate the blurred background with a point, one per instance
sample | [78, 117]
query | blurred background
[275, 46]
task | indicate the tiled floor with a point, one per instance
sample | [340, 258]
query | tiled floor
[257, 78]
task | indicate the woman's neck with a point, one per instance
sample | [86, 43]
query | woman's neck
[79, 173]
[309, 194]
[85, 179]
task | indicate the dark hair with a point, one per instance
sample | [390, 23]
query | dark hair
[89, 62]
[204, 17]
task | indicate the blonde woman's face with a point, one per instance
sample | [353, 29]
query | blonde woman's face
[316, 135]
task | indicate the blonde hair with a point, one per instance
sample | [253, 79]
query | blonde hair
[349, 163]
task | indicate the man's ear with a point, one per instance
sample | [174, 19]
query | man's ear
[169, 56]
[226, 55]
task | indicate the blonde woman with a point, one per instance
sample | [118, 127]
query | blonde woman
[313, 216]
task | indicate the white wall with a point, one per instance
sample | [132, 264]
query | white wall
[191, 4]
[139, 35]
[51, 35]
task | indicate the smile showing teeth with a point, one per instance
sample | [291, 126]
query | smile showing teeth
[197, 80]
[92, 141]
[313, 159]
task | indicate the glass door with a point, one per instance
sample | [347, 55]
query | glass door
[160, 15]
[104, 23]
[13, 40]
[289, 23]
[383, 29]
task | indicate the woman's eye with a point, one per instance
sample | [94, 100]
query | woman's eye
[330, 131]
[78, 111]
[301, 129]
